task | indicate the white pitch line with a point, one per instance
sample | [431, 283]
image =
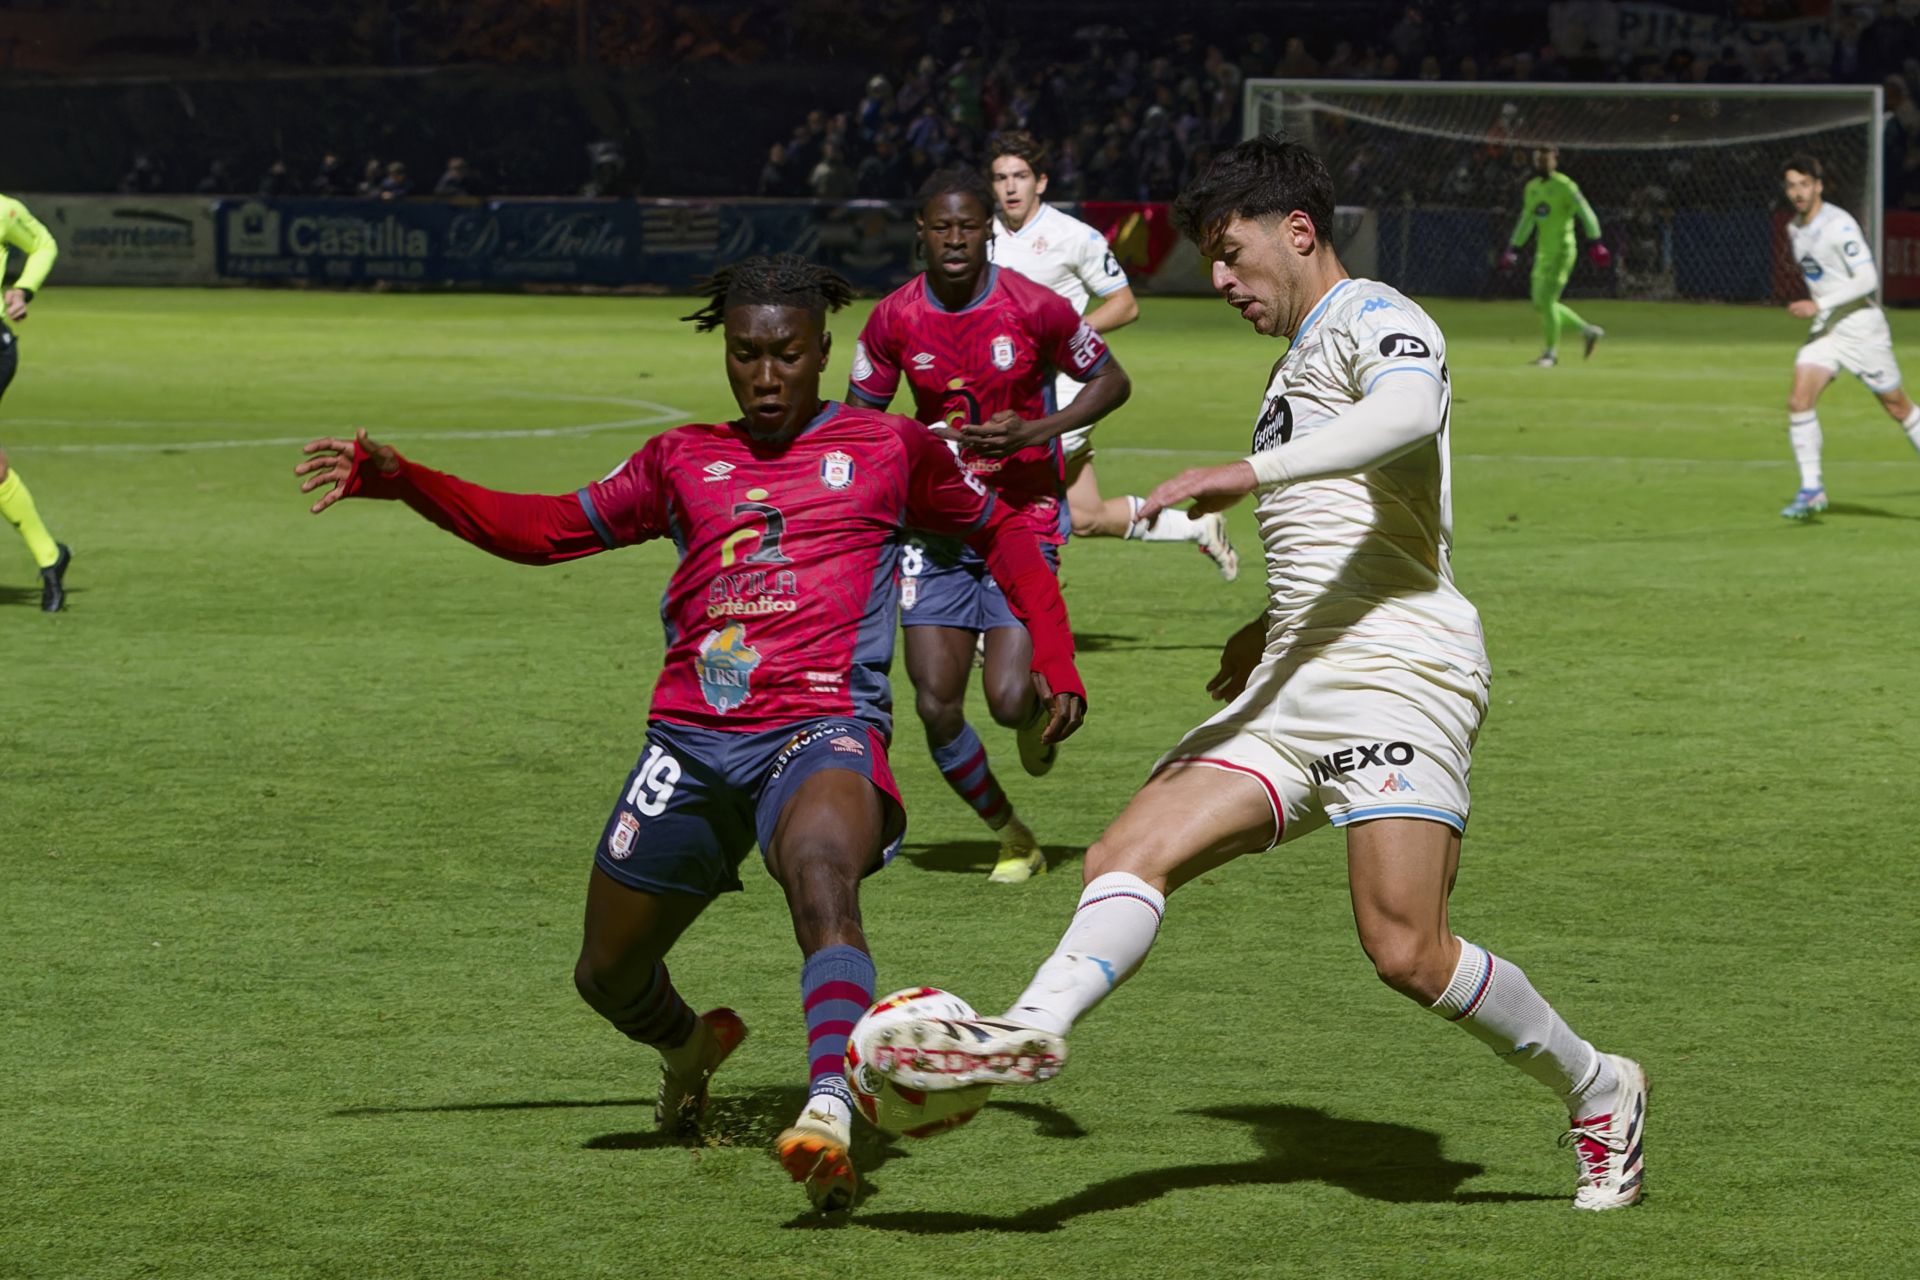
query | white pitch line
[1545, 459]
[664, 413]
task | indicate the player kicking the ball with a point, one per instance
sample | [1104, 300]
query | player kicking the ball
[1355, 699]
[978, 346]
[1066, 255]
[771, 716]
[1849, 332]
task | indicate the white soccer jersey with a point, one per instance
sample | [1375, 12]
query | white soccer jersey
[1836, 260]
[1061, 252]
[1362, 562]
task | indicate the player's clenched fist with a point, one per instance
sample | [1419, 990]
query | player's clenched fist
[332, 462]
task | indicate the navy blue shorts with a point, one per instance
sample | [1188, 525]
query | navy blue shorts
[939, 590]
[700, 798]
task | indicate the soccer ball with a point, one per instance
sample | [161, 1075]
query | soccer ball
[891, 1109]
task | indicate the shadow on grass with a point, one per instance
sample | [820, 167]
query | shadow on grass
[1856, 509]
[12, 595]
[1105, 642]
[526, 1104]
[1390, 1162]
[976, 857]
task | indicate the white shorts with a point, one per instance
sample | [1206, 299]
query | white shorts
[1862, 344]
[1077, 443]
[1349, 737]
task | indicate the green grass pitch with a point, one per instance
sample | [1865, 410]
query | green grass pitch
[296, 815]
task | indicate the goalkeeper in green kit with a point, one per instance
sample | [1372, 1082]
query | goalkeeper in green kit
[1552, 201]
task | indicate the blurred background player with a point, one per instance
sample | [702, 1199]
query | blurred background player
[771, 716]
[1550, 204]
[1066, 255]
[1356, 697]
[21, 230]
[979, 347]
[1849, 330]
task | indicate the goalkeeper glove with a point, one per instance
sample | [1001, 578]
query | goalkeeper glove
[1600, 254]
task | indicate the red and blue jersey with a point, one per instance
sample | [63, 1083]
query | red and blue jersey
[999, 352]
[782, 606]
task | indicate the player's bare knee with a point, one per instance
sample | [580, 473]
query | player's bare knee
[942, 716]
[1798, 403]
[1414, 965]
[1896, 403]
[1011, 706]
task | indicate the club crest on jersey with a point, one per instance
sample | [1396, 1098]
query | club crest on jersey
[725, 664]
[1810, 267]
[620, 843]
[836, 470]
[1275, 427]
[1003, 353]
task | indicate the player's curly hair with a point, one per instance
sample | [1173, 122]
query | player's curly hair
[778, 279]
[1261, 177]
[955, 180]
[1021, 145]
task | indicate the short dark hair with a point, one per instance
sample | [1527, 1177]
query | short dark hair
[1258, 178]
[1021, 145]
[955, 180]
[775, 280]
[1803, 163]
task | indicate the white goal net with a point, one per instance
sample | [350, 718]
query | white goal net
[1685, 178]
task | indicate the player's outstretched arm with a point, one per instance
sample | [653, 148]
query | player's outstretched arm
[523, 527]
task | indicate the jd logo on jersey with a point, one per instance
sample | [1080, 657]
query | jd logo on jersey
[1275, 427]
[1404, 346]
[725, 664]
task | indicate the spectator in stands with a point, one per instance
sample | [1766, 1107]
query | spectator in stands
[332, 178]
[773, 174]
[830, 179]
[876, 109]
[607, 171]
[1256, 56]
[882, 175]
[144, 178]
[371, 176]
[219, 180]
[1296, 63]
[396, 185]
[458, 180]
[277, 182]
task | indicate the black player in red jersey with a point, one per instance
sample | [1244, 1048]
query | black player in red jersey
[979, 346]
[770, 721]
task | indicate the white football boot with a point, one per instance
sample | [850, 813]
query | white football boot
[1610, 1143]
[935, 1054]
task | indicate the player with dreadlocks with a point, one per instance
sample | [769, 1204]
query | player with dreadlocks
[771, 718]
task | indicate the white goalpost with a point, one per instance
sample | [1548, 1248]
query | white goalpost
[1685, 178]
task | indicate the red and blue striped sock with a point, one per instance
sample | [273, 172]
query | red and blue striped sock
[836, 987]
[963, 763]
[659, 1017]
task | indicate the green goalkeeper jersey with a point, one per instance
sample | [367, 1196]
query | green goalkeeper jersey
[1550, 204]
[21, 230]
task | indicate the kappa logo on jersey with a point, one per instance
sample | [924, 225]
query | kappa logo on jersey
[1002, 353]
[1377, 304]
[1395, 784]
[1361, 756]
[620, 843]
[1810, 268]
[1275, 427]
[836, 470]
[725, 664]
[1404, 346]
[718, 470]
[923, 361]
[862, 362]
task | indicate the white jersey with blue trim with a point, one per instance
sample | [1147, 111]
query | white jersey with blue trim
[1362, 562]
[1059, 251]
[1835, 258]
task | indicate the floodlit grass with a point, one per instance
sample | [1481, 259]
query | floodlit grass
[296, 816]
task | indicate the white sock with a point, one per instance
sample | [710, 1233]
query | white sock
[1118, 916]
[1803, 429]
[1911, 425]
[833, 1104]
[1492, 999]
[1168, 526]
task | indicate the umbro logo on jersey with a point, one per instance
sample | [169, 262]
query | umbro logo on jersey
[1401, 346]
[1361, 756]
[923, 361]
[718, 470]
